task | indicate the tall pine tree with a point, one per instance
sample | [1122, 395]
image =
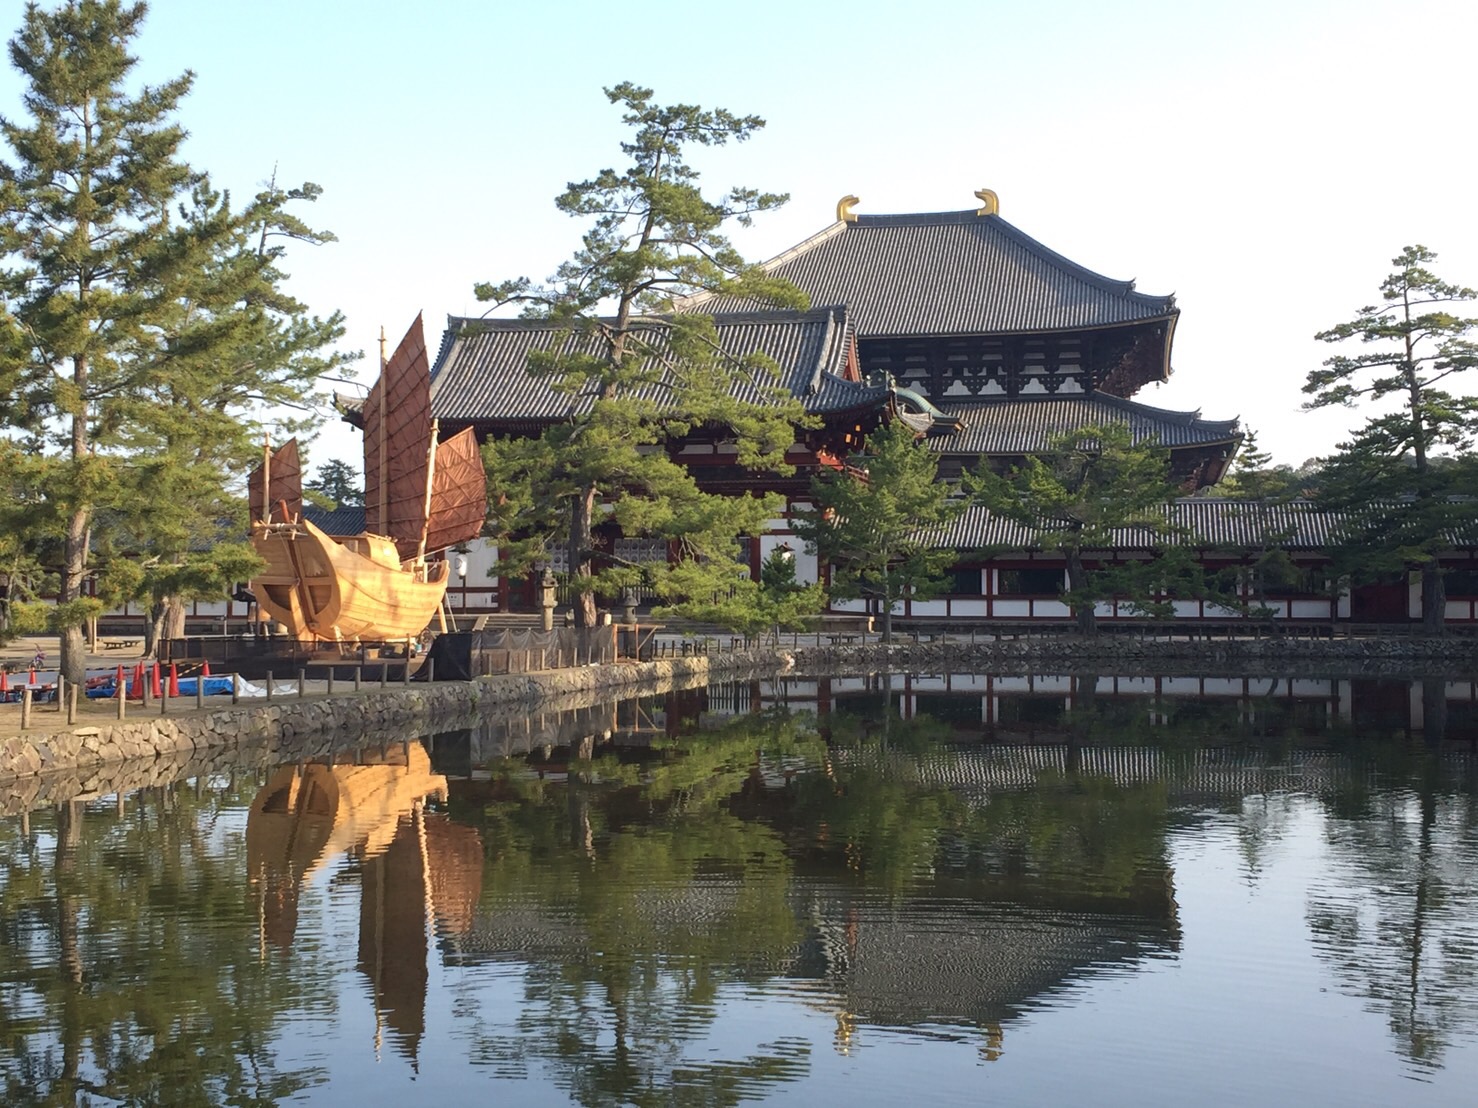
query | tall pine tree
[653, 237]
[1391, 479]
[150, 307]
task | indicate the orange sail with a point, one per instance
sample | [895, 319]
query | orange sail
[284, 471]
[397, 435]
[459, 499]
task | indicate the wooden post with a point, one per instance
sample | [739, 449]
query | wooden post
[358, 678]
[430, 670]
[200, 688]
[330, 680]
[235, 688]
[122, 699]
[164, 701]
[384, 672]
[302, 683]
[71, 703]
[269, 686]
[61, 691]
[25, 707]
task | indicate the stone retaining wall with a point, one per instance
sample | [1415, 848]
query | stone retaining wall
[1114, 654]
[98, 760]
[286, 729]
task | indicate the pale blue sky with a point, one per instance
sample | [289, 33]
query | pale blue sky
[1264, 161]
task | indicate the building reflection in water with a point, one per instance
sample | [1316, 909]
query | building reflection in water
[418, 870]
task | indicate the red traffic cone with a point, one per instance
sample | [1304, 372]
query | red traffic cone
[137, 691]
[174, 680]
[155, 689]
[122, 690]
[205, 668]
[32, 681]
[4, 680]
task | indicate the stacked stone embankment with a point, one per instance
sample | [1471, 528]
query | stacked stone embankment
[288, 728]
[81, 760]
[1057, 653]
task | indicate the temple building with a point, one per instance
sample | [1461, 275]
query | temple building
[1007, 340]
[984, 341]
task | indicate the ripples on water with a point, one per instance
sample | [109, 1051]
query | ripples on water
[875, 906]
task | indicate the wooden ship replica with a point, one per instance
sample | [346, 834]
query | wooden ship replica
[421, 497]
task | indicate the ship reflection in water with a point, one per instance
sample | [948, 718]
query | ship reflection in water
[416, 868]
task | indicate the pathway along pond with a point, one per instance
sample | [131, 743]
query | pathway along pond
[950, 890]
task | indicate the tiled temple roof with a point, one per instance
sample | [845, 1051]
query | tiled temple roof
[951, 273]
[1024, 425]
[343, 520]
[481, 374]
[1203, 521]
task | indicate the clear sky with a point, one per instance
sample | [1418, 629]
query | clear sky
[1262, 160]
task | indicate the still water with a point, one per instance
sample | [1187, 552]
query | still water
[938, 889]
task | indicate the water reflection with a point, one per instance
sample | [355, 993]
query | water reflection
[709, 896]
[413, 866]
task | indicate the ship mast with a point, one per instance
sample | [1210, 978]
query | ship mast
[266, 479]
[430, 480]
[384, 476]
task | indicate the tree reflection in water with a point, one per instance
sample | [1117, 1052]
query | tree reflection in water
[1396, 916]
[130, 962]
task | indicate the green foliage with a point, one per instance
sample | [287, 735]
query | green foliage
[776, 602]
[1403, 500]
[653, 237]
[73, 613]
[870, 522]
[338, 484]
[1088, 485]
[147, 986]
[27, 618]
[1150, 586]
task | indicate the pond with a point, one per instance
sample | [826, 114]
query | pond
[944, 888]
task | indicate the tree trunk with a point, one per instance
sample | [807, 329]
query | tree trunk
[73, 663]
[1077, 582]
[1434, 598]
[582, 513]
[166, 621]
[1434, 710]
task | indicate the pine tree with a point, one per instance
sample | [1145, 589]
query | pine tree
[1074, 496]
[1389, 478]
[154, 321]
[654, 237]
[870, 522]
[338, 483]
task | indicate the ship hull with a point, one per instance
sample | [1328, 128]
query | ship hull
[342, 590]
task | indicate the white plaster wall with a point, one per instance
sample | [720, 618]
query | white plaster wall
[930, 608]
[805, 564]
[966, 608]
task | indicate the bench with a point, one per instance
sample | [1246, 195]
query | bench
[118, 644]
